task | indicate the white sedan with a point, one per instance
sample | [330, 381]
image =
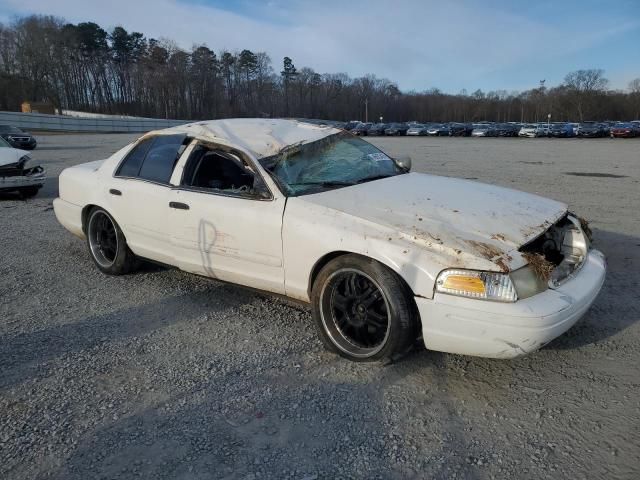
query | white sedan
[384, 256]
[17, 172]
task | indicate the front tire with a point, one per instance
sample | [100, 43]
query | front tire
[362, 310]
[108, 245]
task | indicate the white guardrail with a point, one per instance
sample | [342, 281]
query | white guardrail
[61, 123]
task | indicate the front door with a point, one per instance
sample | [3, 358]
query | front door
[225, 222]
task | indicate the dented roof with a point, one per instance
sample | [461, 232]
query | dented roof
[261, 137]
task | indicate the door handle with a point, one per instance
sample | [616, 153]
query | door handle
[113, 191]
[179, 205]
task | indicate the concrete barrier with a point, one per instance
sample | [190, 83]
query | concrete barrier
[61, 123]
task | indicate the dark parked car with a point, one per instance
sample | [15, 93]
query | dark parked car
[377, 129]
[351, 125]
[592, 130]
[460, 129]
[361, 129]
[625, 130]
[397, 129]
[439, 130]
[507, 129]
[17, 138]
[561, 130]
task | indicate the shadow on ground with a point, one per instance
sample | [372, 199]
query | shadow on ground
[264, 416]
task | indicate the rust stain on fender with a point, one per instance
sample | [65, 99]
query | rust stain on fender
[491, 252]
[486, 250]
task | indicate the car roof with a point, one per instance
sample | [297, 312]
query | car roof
[259, 136]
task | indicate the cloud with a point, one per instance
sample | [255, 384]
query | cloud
[418, 43]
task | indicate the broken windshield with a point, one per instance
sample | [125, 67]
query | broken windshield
[336, 161]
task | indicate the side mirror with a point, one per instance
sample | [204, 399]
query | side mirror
[404, 162]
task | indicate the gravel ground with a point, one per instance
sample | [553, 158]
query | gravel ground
[160, 374]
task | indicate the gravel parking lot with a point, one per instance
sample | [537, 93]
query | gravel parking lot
[160, 374]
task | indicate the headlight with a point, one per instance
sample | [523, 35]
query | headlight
[23, 160]
[474, 284]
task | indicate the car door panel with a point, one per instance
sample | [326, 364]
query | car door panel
[231, 238]
[138, 195]
[142, 214]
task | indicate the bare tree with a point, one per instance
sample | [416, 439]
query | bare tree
[634, 88]
[584, 85]
[84, 67]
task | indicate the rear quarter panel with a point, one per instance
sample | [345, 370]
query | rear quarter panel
[86, 184]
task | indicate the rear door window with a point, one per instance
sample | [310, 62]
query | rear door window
[162, 157]
[154, 158]
[131, 165]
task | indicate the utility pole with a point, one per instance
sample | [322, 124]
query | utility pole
[366, 110]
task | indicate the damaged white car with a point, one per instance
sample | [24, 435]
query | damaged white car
[383, 255]
[17, 174]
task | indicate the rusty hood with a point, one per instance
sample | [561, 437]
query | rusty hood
[461, 218]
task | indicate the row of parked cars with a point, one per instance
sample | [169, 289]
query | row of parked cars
[491, 129]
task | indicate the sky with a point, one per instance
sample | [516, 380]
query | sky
[419, 44]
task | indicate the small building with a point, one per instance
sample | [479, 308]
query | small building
[38, 107]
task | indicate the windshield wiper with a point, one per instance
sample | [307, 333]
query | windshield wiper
[328, 183]
[374, 177]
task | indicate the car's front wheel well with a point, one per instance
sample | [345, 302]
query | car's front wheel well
[377, 315]
[320, 264]
[332, 255]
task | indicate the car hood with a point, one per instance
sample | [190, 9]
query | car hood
[449, 215]
[10, 156]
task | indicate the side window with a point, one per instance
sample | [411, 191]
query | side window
[131, 165]
[153, 158]
[162, 157]
[208, 169]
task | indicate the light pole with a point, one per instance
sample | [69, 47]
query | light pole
[548, 123]
[380, 118]
[366, 110]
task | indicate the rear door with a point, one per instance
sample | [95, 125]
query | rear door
[138, 195]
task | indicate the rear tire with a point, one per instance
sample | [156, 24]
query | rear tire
[363, 311]
[107, 244]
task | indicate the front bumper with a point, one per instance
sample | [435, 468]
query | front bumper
[507, 330]
[21, 181]
[23, 144]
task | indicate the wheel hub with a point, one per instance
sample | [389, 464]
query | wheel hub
[103, 239]
[359, 311]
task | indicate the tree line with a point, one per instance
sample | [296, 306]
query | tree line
[85, 67]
